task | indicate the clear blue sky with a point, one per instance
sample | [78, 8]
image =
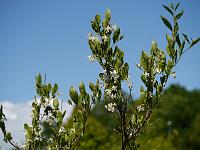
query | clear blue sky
[51, 37]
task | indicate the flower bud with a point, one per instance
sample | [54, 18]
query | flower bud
[91, 86]
[74, 95]
[82, 88]
[154, 44]
[55, 103]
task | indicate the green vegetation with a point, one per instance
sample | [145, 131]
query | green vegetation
[128, 118]
[174, 125]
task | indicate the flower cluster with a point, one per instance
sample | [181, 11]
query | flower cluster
[92, 38]
[112, 93]
[140, 107]
[91, 58]
[111, 29]
[111, 107]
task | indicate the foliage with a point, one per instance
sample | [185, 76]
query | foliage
[47, 112]
[132, 118]
[157, 67]
[167, 129]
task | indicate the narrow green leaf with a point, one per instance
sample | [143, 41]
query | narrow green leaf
[168, 9]
[177, 5]
[181, 48]
[55, 89]
[166, 22]
[195, 42]
[116, 35]
[169, 51]
[185, 36]
[176, 28]
[178, 40]
[171, 6]
[179, 15]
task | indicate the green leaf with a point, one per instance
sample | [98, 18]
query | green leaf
[168, 9]
[169, 52]
[91, 86]
[55, 89]
[162, 79]
[178, 40]
[195, 42]
[144, 60]
[39, 79]
[108, 15]
[125, 69]
[181, 48]
[74, 95]
[116, 35]
[82, 88]
[26, 126]
[121, 37]
[166, 22]
[177, 5]
[179, 15]
[98, 19]
[176, 28]
[185, 36]
[118, 64]
[8, 136]
[169, 39]
[171, 6]
[69, 102]
[55, 104]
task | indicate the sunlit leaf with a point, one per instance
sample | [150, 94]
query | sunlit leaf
[116, 35]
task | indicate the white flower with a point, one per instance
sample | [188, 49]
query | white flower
[92, 38]
[108, 92]
[111, 107]
[169, 123]
[105, 38]
[114, 75]
[158, 70]
[114, 88]
[173, 74]
[113, 96]
[150, 95]
[146, 74]
[108, 29]
[114, 28]
[139, 66]
[140, 107]
[91, 58]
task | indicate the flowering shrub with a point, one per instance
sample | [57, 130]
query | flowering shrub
[156, 67]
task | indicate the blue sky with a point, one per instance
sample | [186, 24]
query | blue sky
[50, 37]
